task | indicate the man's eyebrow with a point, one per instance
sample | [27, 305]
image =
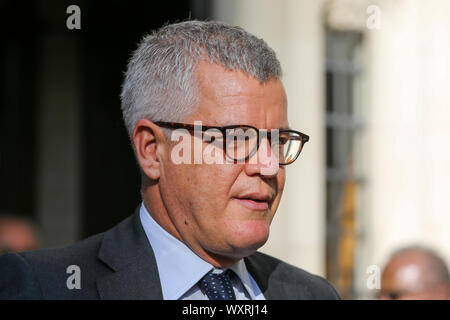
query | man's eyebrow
[240, 124]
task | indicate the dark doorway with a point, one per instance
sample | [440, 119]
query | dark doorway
[109, 178]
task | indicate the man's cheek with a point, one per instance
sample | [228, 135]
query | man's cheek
[281, 180]
[216, 174]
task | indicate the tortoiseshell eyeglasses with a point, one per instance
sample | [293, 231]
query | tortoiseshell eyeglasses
[241, 142]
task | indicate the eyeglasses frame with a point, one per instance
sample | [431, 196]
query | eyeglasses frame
[191, 127]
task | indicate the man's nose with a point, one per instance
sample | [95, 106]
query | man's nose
[264, 162]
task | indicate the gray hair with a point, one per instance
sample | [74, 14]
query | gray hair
[160, 84]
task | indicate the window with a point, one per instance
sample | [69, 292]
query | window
[344, 176]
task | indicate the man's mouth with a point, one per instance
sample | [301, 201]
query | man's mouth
[255, 201]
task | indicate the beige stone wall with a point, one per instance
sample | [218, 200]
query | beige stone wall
[407, 111]
[410, 128]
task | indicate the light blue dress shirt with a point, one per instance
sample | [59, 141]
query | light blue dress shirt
[180, 268]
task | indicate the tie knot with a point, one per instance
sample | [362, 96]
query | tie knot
[217, 286]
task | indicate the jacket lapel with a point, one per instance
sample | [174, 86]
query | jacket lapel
[273, 282]
[126, 251]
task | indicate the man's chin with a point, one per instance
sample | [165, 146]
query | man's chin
[249, 241]
[236, 250]
[241, 240]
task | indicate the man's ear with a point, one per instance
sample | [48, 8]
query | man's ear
[148, 141]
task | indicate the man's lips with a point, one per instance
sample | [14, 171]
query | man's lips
[255, 201]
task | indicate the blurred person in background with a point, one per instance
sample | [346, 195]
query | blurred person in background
[415, 273]
[16, 234]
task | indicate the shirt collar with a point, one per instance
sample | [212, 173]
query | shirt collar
[178, 266]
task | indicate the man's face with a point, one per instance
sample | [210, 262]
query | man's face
[225, 210]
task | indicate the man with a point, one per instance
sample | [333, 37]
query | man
[192, 88]
[415, 273]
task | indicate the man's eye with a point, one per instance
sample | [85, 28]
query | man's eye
[283, 140]
[242, 137]
[394, 295]
[215, 140]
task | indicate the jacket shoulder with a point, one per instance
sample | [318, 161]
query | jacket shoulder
[80, 252]
[17, 281]
[296, 282]
[43, 273]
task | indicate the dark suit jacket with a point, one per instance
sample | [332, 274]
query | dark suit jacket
[120, 264]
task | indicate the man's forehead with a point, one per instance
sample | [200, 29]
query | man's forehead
[232, 97]
[216, 81]
[239, 114]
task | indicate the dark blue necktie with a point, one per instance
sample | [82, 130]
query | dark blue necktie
[217, 286]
